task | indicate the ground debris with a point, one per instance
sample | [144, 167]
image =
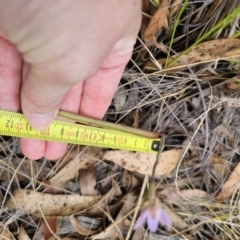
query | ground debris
[183, 81]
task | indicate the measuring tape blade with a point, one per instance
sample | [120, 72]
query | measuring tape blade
[15, 125]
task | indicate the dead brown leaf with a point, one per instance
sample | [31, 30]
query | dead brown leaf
[143, 162]
[76, 151]
[148, 10]
[202, 53]
[158, 21]
[70, 171]
[50, 228]
[49, 205]
[79, 228]
[84, 225]
[114, 193]
[136, 118]
[231, 185]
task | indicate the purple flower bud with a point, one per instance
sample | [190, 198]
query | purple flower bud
[153, 216]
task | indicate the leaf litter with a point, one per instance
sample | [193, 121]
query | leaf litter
[183, 81]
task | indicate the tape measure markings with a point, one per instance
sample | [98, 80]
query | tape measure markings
[16, 125]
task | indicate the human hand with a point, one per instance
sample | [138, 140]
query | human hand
[64, 54]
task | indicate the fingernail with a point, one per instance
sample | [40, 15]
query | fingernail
[41, 121]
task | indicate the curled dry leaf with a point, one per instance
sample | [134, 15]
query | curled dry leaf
[204, 52]
[114, 193]
[49, 205]
[145, 16]
[129, 203]
[231, 185]
[111, 232]
[77, 160]
[143, 162]
[84, 225]
[79, 228]
[70, 171]
[158, 21]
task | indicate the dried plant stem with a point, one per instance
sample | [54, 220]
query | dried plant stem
[162, 143]
[107, 125]
[152, 183]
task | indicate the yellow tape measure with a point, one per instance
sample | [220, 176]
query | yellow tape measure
[15, 125]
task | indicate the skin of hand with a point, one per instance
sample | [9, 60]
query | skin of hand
[63, 54]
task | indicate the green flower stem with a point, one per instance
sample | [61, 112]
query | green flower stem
[174, 30]
[162, 144]
[107, 125]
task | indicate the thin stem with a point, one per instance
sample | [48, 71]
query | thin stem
[152, 183]
[108, 125]
[175, 28]
[162, 144]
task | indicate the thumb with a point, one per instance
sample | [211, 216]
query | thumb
[41, 97]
